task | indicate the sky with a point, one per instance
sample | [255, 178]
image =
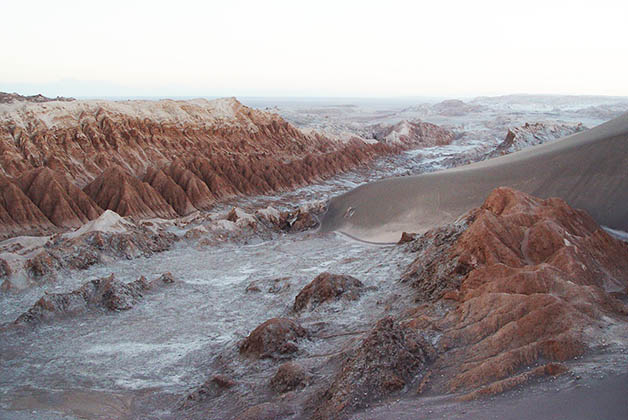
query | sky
[314, 48]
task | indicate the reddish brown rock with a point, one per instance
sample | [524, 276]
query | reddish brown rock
[117, 190]
[289, 376]
[531, 283]
[406, 237]
[275, 338]
[196, 190]
[388, 359]
[326, 287]
[170, 191]
[62, 202]
[18, 214]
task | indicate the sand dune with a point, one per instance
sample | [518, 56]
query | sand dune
[589, 170]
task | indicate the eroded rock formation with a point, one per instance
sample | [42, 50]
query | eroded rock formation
[527, 281]
[412, 133]
[389, 358]
[117, 190]
[527, 135]
[326, 287]
[64, 204]
[167, 158]
[106, 293]
[275, 338]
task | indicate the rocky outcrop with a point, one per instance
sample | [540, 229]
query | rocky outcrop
[526, 281]
[527, 135]
[412, 134]
[327, 287]
[60, 201]
[386, 361]
[275, 338]
[434, 270]
[117, 190]
[99, 241]
[289, 376]
[105, 293]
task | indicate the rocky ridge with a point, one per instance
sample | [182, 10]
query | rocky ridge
[7, 98]
[532, 134]
[106, 293]
[526, 282]
[161, 159]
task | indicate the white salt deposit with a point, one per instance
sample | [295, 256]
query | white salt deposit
[108, 222]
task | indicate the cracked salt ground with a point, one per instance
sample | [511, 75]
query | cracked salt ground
[165, 343]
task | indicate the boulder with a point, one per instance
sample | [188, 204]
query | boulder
[275, 338]
[327, 287]
[289, 376]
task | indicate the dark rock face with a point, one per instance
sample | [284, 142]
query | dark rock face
[5, 270]
[289, 376]
[42, 266]
[389, 358]
[105, 293]
[435, 271]
[275, 338]
[297, 221]
[326, 287]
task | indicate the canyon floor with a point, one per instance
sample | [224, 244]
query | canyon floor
[183, 345]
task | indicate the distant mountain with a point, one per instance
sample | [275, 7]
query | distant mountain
[7, 98]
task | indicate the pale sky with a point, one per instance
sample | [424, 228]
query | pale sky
[314, 48]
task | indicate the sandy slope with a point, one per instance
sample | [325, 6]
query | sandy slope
[589, 170]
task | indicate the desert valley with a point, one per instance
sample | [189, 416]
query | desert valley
[265, 258]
